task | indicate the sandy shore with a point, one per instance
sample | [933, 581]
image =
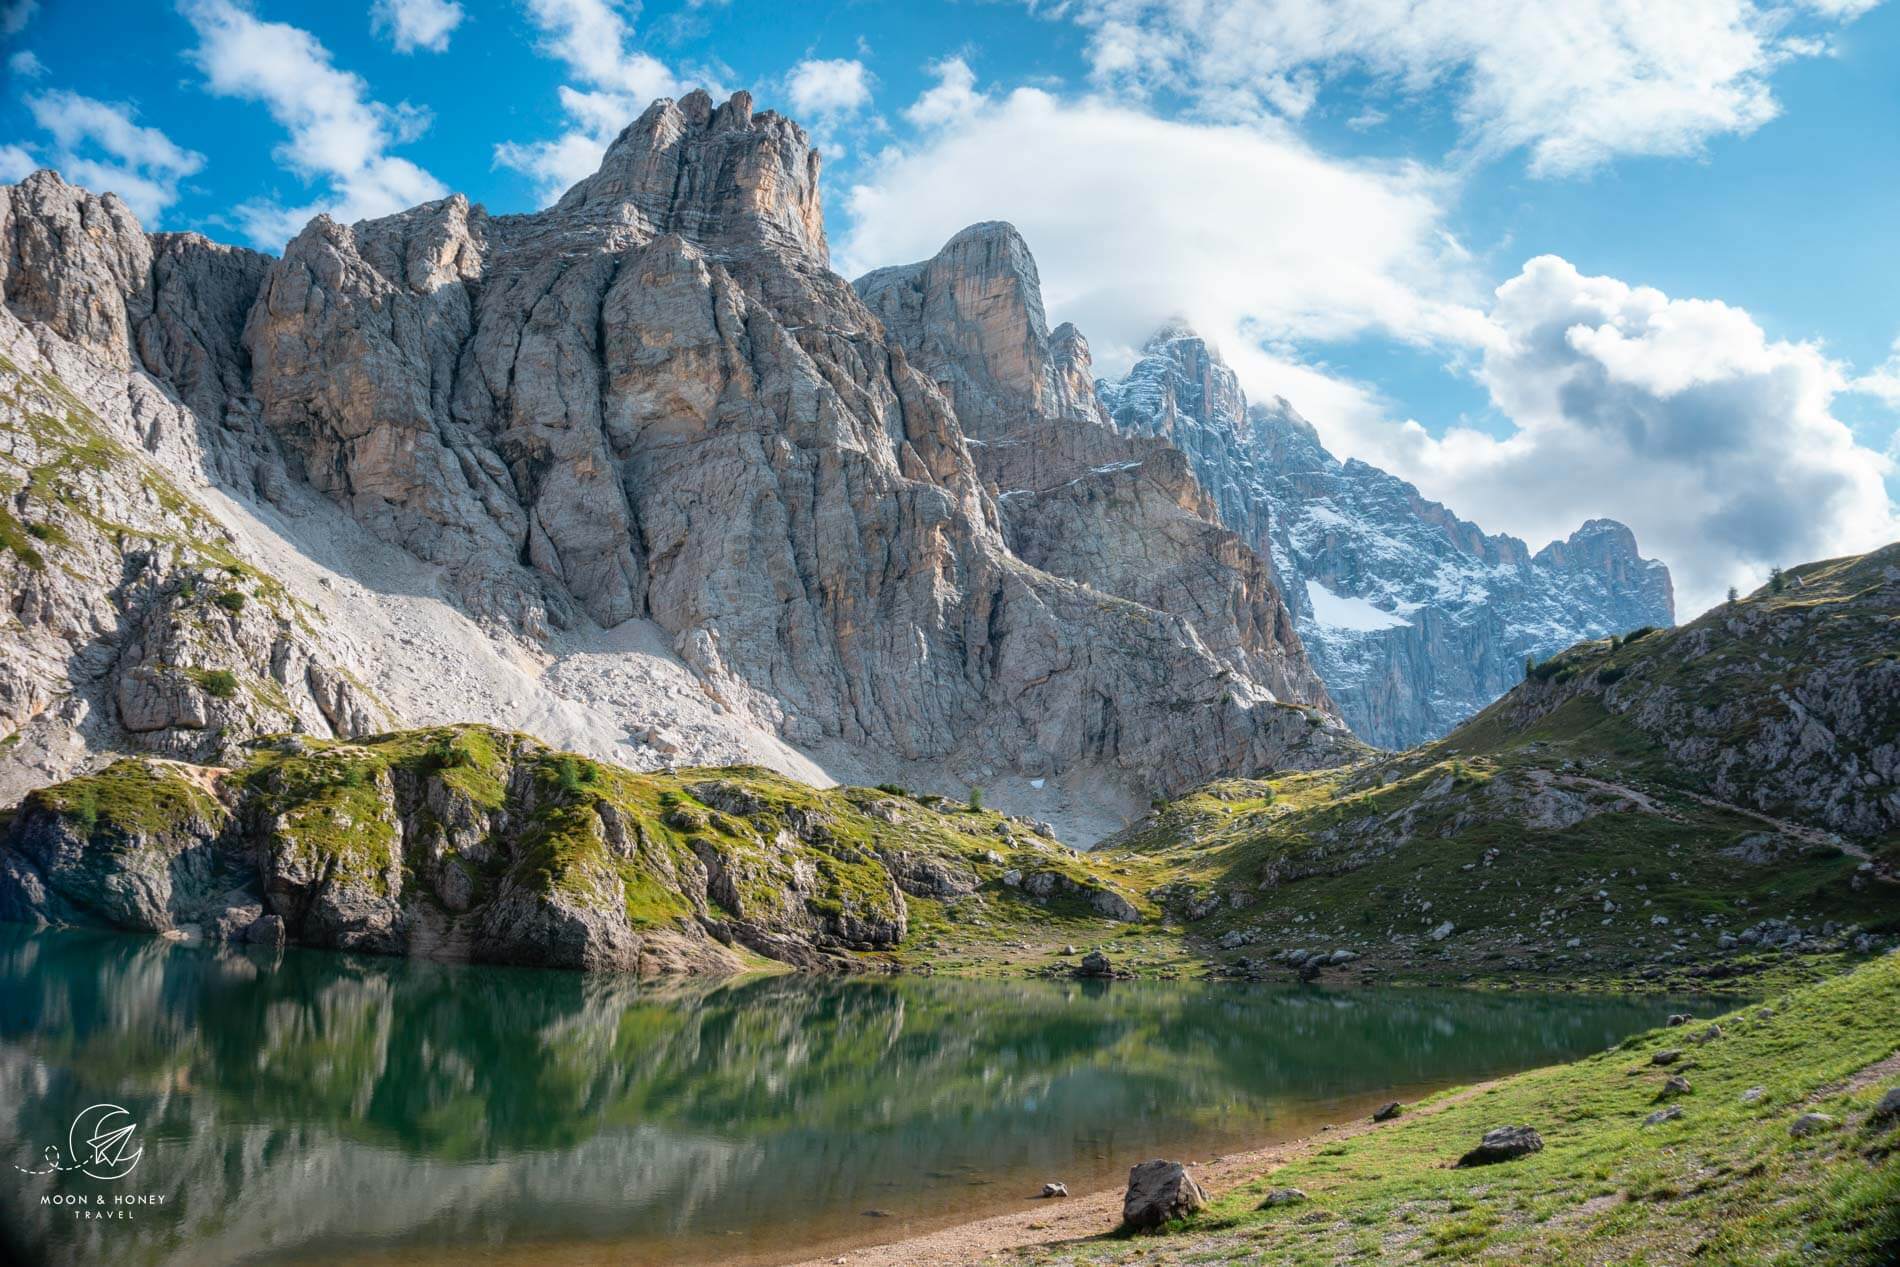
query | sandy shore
[1082, 1217]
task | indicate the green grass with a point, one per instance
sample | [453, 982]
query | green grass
[132, 797]
[1725, 1183]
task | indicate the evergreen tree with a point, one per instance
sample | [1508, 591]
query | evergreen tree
[1775, 580]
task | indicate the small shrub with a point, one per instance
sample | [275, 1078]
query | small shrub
[894, 789]
[1611, 675]
[976, 800]
[220, 683]
[447, 753]
[353, 776]
[1641, 631]
[231, 601]
[571, 773]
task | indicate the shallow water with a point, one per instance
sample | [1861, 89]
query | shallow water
[311, 1107]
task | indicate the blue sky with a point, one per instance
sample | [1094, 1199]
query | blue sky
[1546, 261]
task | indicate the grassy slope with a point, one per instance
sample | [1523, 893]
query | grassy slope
[1724, 1183]
[1519, 826]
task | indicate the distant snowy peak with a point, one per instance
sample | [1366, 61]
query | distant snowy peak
[1414, 617]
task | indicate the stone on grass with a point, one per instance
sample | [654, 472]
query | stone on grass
[1752, 1094]
[1095, 964]
[1677, 1085]
[1159, 1192]
[1810, 1124]
[1666, 1057]
[1669, 1114]
[1708, 1035]
[1502, 1143]
[1889, 1107]
[1282, 1196]
[1387, 1111]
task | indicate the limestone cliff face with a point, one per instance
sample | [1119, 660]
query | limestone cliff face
[1414, 618]
[133, 626]
[1120, 513]
[654, 400]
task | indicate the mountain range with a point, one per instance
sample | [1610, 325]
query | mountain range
[639, 474]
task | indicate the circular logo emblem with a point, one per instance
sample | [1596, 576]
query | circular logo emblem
[104, 1141]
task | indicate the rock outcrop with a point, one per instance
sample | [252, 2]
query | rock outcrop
[1414, 618]
[469, 843]
[654, 401]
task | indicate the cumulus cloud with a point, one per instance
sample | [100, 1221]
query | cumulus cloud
[952, 99]
[1883, 382]
[1574, 84]
[15, 164]
[1134, 217]
[1680, 417]
[97, 144]
[26, 65]
[338, 134]
[416, 24]
[828, 87]
[615, 84]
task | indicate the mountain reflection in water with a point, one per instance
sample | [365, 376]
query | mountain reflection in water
[304, 1105]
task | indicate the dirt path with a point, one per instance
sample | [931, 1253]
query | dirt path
[1048, 1223]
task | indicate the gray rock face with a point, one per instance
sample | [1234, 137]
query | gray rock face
[655, 400]
[1158, 1192]
[1122, 514]
[136, 628]
[1414, 618]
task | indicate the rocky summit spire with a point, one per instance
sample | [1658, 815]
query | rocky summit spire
[723, 178]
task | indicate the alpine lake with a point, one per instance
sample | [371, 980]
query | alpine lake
[309, 1107]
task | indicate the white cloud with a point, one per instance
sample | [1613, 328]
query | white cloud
[99, 146]
[591, 37]
[1574, 84]
[1134, 217]
[26, 65]
[16, 164]
[828, 87]
[15, 14]
[337, 133]
[952, 99]
[1883, 382]
[414, 24]
[1679, 417]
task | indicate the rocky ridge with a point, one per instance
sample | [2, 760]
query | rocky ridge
[471, 843]
[651, 406]
[1414, 618]
[1683, 804]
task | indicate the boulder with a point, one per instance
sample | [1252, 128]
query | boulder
[1159, 1192]
[1095, 964]
[1669, 1114]
[1387, 1111]
[1677, 1085]
[267, 931]
[1666, 1057]
[1810, 1124]
[1055, 1190]
[1503, 1143]
[1282, 1196]
[1889, 1107]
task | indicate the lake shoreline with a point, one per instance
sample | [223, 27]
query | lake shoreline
[1096, 1214]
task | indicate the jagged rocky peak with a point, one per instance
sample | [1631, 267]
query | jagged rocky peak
[971, 316]
[1414, 617]
[1123, 514]
[655, 402]
[720, 176]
